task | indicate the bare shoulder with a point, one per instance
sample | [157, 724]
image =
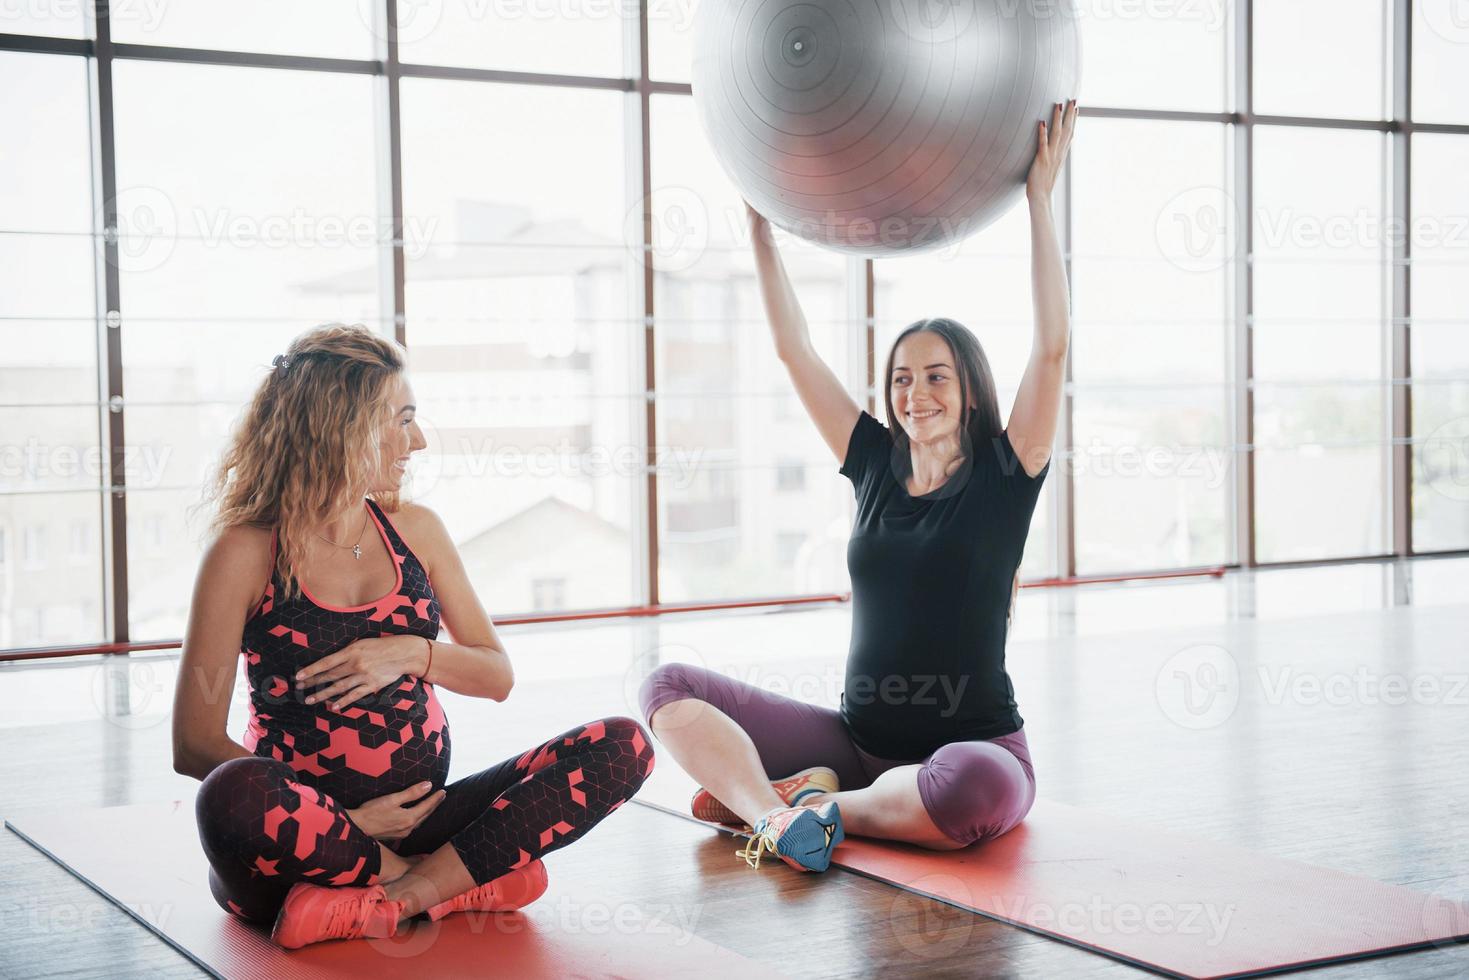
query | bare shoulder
[242, 547]
[238, 562]
[422, 530]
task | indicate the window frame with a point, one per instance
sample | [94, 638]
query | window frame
[100, 52]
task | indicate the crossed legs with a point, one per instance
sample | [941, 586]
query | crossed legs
[734, 738]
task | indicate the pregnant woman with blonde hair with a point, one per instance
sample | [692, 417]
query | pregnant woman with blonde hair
[335, 819]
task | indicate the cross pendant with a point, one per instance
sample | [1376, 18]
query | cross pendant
[357, 551]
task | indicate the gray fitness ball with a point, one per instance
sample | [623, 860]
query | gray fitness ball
[880, 127]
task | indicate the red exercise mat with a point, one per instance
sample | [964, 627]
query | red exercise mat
[1186, 908]
[146, 859]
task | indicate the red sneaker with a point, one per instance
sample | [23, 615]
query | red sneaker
[509, 892]
[314, 913]
[791, 790]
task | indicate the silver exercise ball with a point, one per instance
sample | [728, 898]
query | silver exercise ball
[880, 127]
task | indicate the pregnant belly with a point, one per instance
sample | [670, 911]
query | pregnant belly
[383, 743]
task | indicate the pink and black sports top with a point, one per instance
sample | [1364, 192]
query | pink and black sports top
[382, 743]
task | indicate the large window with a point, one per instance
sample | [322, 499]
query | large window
[1268, 360]
[524, 336]
[1440, 351]
[51, 471]
[235, 232]
[728, 422]
[1321, 423]
[1151, 453]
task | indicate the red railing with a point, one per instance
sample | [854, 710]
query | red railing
[621, 612]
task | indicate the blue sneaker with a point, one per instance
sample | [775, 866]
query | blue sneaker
[801, 836]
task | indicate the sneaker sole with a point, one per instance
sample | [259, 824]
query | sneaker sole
[812, 837]
[280, 917]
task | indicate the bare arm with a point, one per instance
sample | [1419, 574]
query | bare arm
[231, 579]
[1032, 425]
[827, 401]
[476, 662]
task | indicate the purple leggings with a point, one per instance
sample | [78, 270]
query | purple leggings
[973, 791]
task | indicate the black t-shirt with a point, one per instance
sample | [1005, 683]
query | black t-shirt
[931, 578]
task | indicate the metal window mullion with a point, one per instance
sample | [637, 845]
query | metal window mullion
[392, 77]
[644, 87]
[45, 45]
[109, 318]
[1063, 506]
[1242, 367]
[1400, 487]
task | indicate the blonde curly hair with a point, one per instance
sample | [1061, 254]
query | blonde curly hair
[308, 442]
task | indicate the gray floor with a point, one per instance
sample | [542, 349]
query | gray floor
[1315, 714]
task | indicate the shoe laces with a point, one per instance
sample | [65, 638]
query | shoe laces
[346, 918]
[759, 844]
[463, 900]
[762, 841]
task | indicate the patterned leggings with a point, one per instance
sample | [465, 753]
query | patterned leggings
[263, 831]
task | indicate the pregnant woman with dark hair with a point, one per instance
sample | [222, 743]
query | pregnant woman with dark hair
[335, 819]
[928, 746]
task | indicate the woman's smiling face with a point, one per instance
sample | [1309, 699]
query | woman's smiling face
[925, 388]
[400, 439]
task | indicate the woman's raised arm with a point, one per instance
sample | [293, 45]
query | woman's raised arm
[1032, 425]
[827, 401]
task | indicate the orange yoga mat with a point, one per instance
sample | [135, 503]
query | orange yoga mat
[1136, 893]
[159, 877]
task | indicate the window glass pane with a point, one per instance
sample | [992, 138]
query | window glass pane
[486, 169]
[50, 590]
[984, 283]
[1153, 237]
[248, 214]
[1321, 253]
[1321, 58]
[58, 18]
[1440, 355]
[570, 37]
[323, 28]
[51, 465]
[523, 346]
[1128, 47]
[1440, 61]
[45, 158]
[46, 256]
[238, 232]
[1315, 443]
[671, 39]
[1440, 252]
[1291, 524]
[1152, 469]
[750, 503]
[53, 365]
[1440, 465]
[160, 524]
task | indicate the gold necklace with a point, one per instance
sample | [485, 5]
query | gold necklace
[356, 548]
